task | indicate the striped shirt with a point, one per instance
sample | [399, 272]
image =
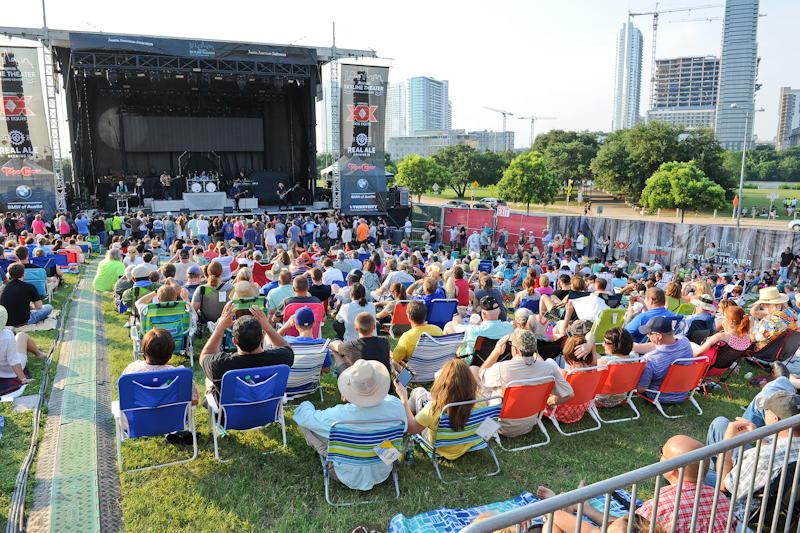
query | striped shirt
[657, 365]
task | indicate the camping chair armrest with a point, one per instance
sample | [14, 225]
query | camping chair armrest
[115, 410]
[134, 334]
[212, 403]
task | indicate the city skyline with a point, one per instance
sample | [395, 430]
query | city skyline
[531, 58]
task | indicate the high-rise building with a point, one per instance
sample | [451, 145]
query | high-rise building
[628, 81]
[427, 143]
[325, 145]
[427, 105]
[494, 141]
[686, 91]
[738, 70]
[396, 111]
[788, 116]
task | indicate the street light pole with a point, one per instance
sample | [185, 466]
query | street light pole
[747, 117]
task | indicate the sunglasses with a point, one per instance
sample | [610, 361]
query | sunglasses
[661, 452]
[606, 341]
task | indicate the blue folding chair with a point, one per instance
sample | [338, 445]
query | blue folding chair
[447, 436]
[340, 284]
[485, 266]
[38, 278]
[354, 448]
[531, 303]
[304, 379]
[62, 260]
[441, 311]
[152, 404]
[250, 398]
[431, 354]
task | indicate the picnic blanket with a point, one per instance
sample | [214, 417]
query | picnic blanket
[12, 385]
[49, 323]
[444, 520]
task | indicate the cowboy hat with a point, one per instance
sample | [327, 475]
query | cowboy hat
[771, 295]
[365, 384]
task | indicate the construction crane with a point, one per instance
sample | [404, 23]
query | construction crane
[655, 14]
[697, 20]
[533, 121]
[505, 144]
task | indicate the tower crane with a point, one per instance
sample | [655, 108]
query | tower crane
[533, 121]
[697, 20]
[655, 14]
[504, 113]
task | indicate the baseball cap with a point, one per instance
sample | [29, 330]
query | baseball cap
[304, 317]
[524, 341]
[116, 245]
[194, 269]
[782, 403]
[657, 324]
[500, 275]
[489, 303]
[184, 253]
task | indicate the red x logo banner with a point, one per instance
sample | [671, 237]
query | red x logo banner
[15, 106]
[621, 245]
[362, 113]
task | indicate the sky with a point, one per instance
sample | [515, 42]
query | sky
[534, 57]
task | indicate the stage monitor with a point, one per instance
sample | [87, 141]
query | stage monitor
[192, 134]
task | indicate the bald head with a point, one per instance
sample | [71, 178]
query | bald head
[680, 445]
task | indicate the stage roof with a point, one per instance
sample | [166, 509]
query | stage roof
[61, 38]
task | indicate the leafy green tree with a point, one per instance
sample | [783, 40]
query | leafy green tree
[389, 163]
[466, 165]
[419, 174]
[324, 160]
[571, 161]
[527, 180]
[545, 140]
[682, 186]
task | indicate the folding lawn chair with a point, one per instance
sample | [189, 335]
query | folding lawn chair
[94, 240]
[353, 446]
[399, 317]
[685, 309]
[585, 382]
[319, 317]
[722, 362]
[525, 398]
[152, 404]
[249, 398]
[212, 301]
[260, 274]
[38, 278]
[530, 303]
[171, 316]
[607, 319]
[304, 379]
[431, 354]
[684, 375]
[441, 311]
[782, 348]
[447, 436]
[621, 378]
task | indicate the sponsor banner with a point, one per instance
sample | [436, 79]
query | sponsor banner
[26, 162]
[361, 166]
[193, 48]
[673, 244]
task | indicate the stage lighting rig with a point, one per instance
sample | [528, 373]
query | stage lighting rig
[154, 78]
[241, 81]
[278, 84]
[128, 75]
[167, 75]
[206, 79]
[112, 77]
[192, 79]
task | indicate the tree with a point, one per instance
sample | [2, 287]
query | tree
[682, 186]
[388, 163]
[571, 161]
[466, 165]
[527, 180]
[545, 140]
[419, 174]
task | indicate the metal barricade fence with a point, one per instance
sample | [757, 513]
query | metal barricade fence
[703, 456]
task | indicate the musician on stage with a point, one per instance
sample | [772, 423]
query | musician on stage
[236, 193]
[166, 184]
[122, 187]
[202, 176]
[282, 193]
[139, 191]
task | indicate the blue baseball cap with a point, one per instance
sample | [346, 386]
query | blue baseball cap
[657, 324]
[304, 317]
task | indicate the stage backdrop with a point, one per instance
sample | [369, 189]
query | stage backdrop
[26, 162]
[671, 244]
[363, 108]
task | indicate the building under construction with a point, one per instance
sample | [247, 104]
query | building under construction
[685, 91]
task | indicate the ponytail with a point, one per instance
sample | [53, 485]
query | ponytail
[214, 274]
[736, 315]
[359, 293]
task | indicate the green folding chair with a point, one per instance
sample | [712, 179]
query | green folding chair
[171, 316]
[610, 318]
[686, 309]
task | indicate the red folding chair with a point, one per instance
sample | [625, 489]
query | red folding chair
[525, 398]
[319, 317]
[585, 382]
[399, 317]
[684, 375]
[622, 378]
[722, 362]
[260, 274]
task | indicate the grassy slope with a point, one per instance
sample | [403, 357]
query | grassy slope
[284, 491]
[18, 425]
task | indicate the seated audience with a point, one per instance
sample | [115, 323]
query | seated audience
[491, 327]
[345, 318]
[666, 348]
[14, 351]
[22, 300]
[408, 341]
[367, 346]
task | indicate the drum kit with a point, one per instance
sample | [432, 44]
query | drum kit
[207, 183]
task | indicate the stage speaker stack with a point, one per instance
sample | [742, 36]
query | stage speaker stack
[403, 200]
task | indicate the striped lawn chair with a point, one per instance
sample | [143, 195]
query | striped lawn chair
[171, 316]
[241, 305]
[352, 446]
[446, 436]
[431, 354]
[304, 379]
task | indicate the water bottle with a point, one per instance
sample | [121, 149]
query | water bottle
[166, 384]
[748, 376]
[249, 380]
[408, 450]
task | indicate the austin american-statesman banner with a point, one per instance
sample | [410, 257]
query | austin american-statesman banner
[26, 163]
[361, 168]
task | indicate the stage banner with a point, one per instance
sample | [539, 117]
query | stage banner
[361, 139]
[192, 48]
[26, 162]
[680, 244]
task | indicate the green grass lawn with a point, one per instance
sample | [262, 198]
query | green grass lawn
[283, 491]
[18, 425]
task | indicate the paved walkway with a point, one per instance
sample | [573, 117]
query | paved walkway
[77, 484]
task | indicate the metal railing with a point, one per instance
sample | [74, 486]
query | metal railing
[634, 478]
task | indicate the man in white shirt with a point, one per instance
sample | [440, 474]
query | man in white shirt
[333, 230]
[202, 231]
[580, 243]
[407, 228]
[474, 242]
[193, 226]
[569, 262]
[331, 273]
[225, 260]
[453, 237]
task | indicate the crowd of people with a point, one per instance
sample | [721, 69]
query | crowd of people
[537, 306]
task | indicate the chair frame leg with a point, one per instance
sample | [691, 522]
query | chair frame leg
[528, 447]
[213, 422]
[189, 423]
[553, 419]
[435, 460]
[629, 401]
[326, 475]
[689, 398]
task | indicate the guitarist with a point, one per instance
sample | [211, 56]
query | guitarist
[282, 192]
